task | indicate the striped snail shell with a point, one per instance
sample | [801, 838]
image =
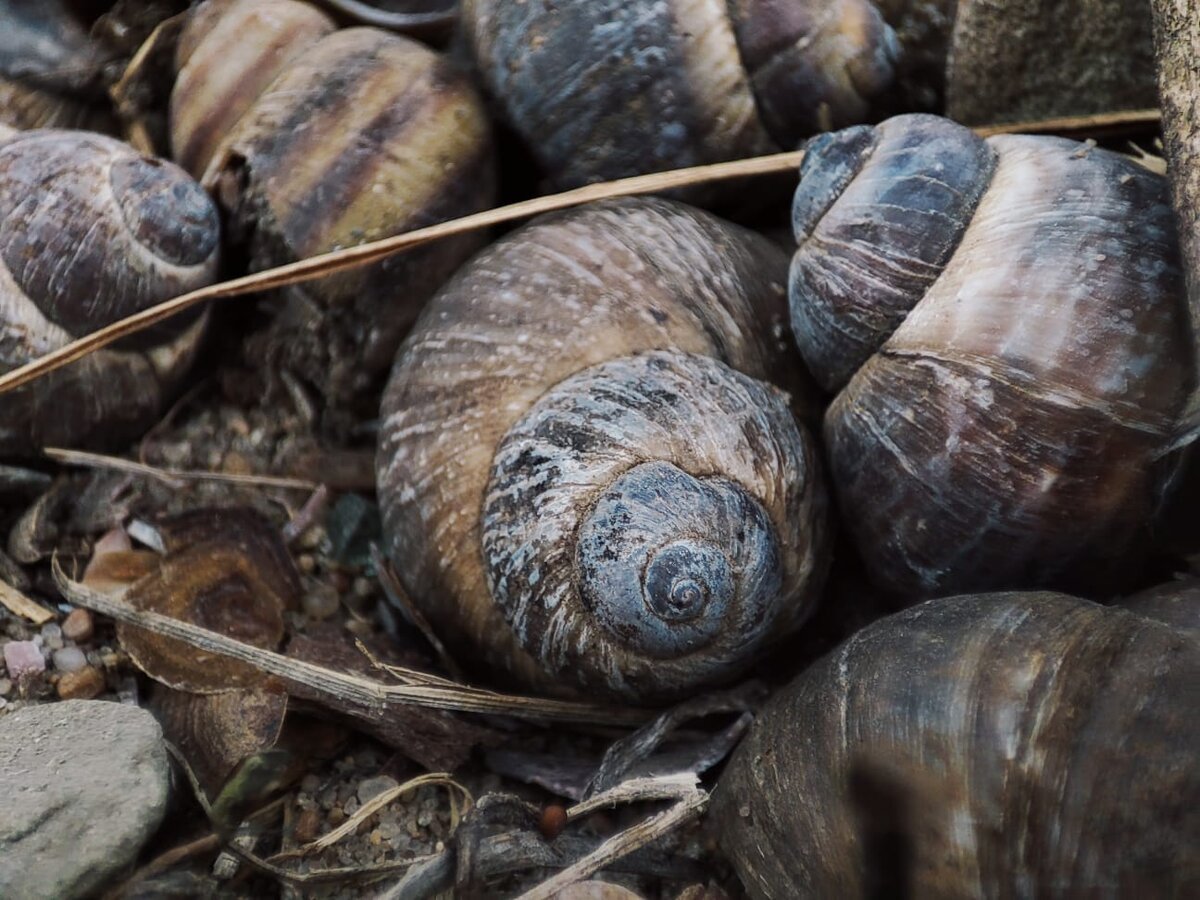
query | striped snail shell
[315, 140]
[1005, 325]
[91, 232]
[584, 477]
[610, 88]
[1021, 744]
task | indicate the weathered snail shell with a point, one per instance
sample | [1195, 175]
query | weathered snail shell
[90, 232]
[585, 480]
[610, 88]
[316, 140]
[977, 746]
[1004, 322]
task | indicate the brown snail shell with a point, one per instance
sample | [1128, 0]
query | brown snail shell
[316, 140]
[584, 481]
[991, 746]
[90, 232]
[609, 88]
[1005, 325]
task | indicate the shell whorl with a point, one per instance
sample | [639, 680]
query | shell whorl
[1040, 349]
[564, 295]
[92, 232]
[610, 88]
[637, 518]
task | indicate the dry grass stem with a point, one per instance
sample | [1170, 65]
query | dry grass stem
[172, 477]
[378, 802]
[339, 260]
[690, 803]
[345, 692]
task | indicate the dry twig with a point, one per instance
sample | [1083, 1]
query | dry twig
[343, 691]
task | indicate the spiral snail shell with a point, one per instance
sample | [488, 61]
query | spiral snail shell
[315, 139]
[1004, 322]
[90, 232]
[584, 479]
[990, 746]
[608, 88]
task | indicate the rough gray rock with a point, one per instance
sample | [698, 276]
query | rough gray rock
[83, 784]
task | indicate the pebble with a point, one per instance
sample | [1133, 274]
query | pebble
[86, 787]
[5, 686]
[369, 788]
[319, 602]
[308, 825]
[69, 659]
[85, 684]
[52, 636]
[23, 659]
[78, 626]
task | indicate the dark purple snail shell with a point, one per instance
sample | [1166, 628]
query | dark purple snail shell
[610, 88]
[1005, 325]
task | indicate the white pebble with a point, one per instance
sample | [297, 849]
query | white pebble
[69, 659]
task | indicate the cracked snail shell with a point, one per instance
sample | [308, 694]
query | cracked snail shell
[585, 479]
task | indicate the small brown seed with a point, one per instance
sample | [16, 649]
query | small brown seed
[553, 821]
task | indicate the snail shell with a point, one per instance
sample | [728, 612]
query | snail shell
[1005, 323]
[991, 746]
[584, 479]
[50, 69]
[610, 88]
[92, 232]
[317, 140]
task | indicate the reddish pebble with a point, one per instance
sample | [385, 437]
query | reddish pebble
[85, 684]
[308, 825]
[553, 821]
[23, 659]
[78, 626]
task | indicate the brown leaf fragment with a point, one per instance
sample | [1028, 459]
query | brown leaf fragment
[215, 732]
[225, 570]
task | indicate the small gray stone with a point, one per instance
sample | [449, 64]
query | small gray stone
[69, 659]
[370, 788]
[85, 785]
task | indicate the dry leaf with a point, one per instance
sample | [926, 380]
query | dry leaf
[225, 570]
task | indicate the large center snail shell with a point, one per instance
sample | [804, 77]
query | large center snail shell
[583, 479]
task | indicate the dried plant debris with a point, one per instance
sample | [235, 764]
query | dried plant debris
[226, 570]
